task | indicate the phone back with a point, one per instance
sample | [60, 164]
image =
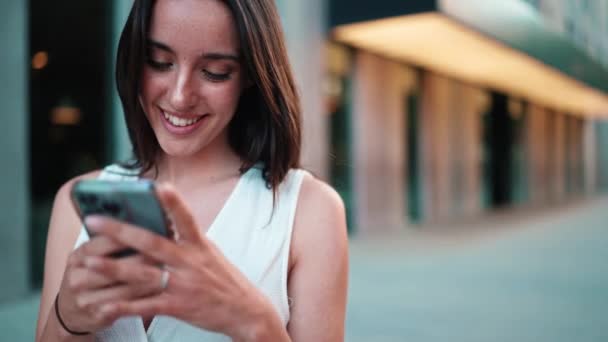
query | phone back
[134, 202]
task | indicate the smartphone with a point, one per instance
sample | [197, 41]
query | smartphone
[133, 202]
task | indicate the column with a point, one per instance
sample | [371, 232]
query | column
[379, 94]
[602, 154]
[435, 125]
[589, 156]
[559, 148]
[14, 197]
[536, 145]
[117, 135]
[475, 103]
[304, 24]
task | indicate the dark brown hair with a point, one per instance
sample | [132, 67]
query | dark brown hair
[266, 125]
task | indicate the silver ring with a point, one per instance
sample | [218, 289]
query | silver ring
[164, 278]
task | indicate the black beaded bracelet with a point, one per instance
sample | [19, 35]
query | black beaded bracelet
[77, 333]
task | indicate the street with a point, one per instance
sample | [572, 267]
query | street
[534, 275]
[510, 277]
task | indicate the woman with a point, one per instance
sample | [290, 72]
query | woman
[260, 252]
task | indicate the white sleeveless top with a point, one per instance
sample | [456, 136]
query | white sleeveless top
[251, 236]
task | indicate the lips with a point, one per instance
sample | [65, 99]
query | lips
[180, 121]
[181, 124]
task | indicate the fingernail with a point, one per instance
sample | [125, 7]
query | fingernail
[94, 222]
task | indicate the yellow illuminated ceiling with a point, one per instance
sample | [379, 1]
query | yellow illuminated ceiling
[436, 42]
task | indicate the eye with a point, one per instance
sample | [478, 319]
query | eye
[160, 66]
[216, 77]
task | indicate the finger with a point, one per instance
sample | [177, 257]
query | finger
[117, 293]
[97, 246]
[157, 247]
[130, 271]
[183, 220]
[147, 306]
[142, 259]
[81, 278]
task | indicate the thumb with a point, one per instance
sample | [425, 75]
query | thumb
[184, 223]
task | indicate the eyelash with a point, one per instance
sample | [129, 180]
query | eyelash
[213, 77]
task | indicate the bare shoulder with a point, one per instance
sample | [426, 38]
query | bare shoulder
[67, 186]
[62, 198]
[320, 219]
[318, 275]
[64, 221]
[319, 198]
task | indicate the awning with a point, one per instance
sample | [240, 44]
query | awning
[502, 45]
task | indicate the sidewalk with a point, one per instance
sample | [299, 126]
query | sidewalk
[521, 276]
[18, 319]
[525, 276]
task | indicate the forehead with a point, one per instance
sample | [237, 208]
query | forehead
[194, 26]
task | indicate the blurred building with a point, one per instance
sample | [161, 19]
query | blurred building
[586, 24]
[414, 110]
[14, 171]
[453, 108]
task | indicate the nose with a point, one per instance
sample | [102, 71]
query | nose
[184, 93]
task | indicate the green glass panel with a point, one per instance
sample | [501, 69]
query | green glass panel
[341, 164]
[414, 198]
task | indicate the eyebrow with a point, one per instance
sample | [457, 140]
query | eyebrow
[212, 55]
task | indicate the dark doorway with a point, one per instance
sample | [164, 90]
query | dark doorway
[414, 195]
[69, 44]
[520, 161]
[498, 142]
[341, 161]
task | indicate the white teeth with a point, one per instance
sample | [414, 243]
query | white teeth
[179, 122]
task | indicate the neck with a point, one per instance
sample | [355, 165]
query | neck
[215, 162]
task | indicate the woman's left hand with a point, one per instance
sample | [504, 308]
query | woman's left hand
[203, 288]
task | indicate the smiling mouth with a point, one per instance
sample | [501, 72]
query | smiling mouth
[181, 122]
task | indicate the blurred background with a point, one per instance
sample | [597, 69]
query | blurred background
[468, 139]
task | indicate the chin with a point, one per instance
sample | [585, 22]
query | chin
[179, 150]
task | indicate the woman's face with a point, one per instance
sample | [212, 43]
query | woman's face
[192, 79]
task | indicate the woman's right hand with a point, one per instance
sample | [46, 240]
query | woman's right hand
[84, 291]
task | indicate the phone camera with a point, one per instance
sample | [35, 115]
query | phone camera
[111, 208]
[88, 200]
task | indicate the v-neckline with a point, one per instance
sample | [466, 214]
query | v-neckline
[210, 229]
[226, 204]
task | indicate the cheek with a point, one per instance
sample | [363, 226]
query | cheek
[224, 99]
[153, 85]
[151, 88]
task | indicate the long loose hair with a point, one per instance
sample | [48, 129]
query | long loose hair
[265, 128]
